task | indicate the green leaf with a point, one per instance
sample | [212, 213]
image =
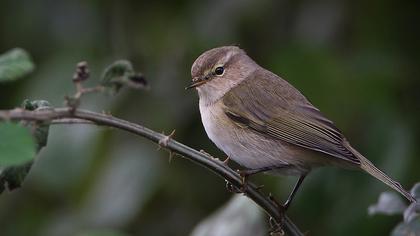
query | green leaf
[15, 64]
[16, 145]
[14, 174]
[41, 130]
[17, 150]
[121, 73]
[34, 105]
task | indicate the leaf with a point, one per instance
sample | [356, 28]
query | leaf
[12, 176]
[240, 216]
[16, 145]
[389, 203]
[415, 191]
[121, 73]
[41, 130]
[412, 212]
[137, 81]
[34, 105]
[17, 150]
[407, 229]
[15, 64]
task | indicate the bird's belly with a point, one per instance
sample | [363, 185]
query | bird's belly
[246, 147]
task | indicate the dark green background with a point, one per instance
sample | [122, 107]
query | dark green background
[358, 61]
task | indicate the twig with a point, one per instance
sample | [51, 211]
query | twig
[71, 115]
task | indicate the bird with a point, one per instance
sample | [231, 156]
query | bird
[265, 124]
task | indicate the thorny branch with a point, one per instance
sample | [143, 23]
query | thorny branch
[71, 114]
[68, 115]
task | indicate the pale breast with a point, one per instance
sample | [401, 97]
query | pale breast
[245, 147]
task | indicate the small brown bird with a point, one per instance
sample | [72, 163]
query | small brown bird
[265, 124]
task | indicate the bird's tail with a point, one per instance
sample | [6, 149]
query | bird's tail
[367, 166]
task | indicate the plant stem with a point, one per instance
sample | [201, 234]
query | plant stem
[68, 116]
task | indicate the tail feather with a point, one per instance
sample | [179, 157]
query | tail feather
[367, 166]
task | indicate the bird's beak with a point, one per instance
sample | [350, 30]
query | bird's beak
[196, 82]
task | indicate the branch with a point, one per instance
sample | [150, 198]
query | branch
[75, 116]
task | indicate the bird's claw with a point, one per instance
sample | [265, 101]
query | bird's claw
[231, 188]
[276, 228]
[244, 179]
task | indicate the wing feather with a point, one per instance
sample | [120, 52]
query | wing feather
[276, 109]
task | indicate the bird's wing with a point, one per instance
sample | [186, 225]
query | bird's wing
[269, 105]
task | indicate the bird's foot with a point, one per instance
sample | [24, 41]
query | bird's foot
[244, 183]
[233, 189]
[244, 178]
[276, 228]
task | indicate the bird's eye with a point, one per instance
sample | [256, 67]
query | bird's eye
[219, 70]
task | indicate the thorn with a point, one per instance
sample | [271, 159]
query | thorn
[231, 188]
[226, 161]
[163, 142]
[279, 206]
[108, 113]
[171, 155]
[206, 154]
[271, 197]
[260, 187]
[244, 180]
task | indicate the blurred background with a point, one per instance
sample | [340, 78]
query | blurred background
[358, 61]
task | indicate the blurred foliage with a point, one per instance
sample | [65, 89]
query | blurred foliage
[239, 216]
[17, 149]
[39, 130]
[14, 64]
[18, 145]
[407, 229]
[122, 73]
[357, 61]
[390, 203]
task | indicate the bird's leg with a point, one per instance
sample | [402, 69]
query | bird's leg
[248, 172]
[276, 227]
[295, 189]
[244, 179]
